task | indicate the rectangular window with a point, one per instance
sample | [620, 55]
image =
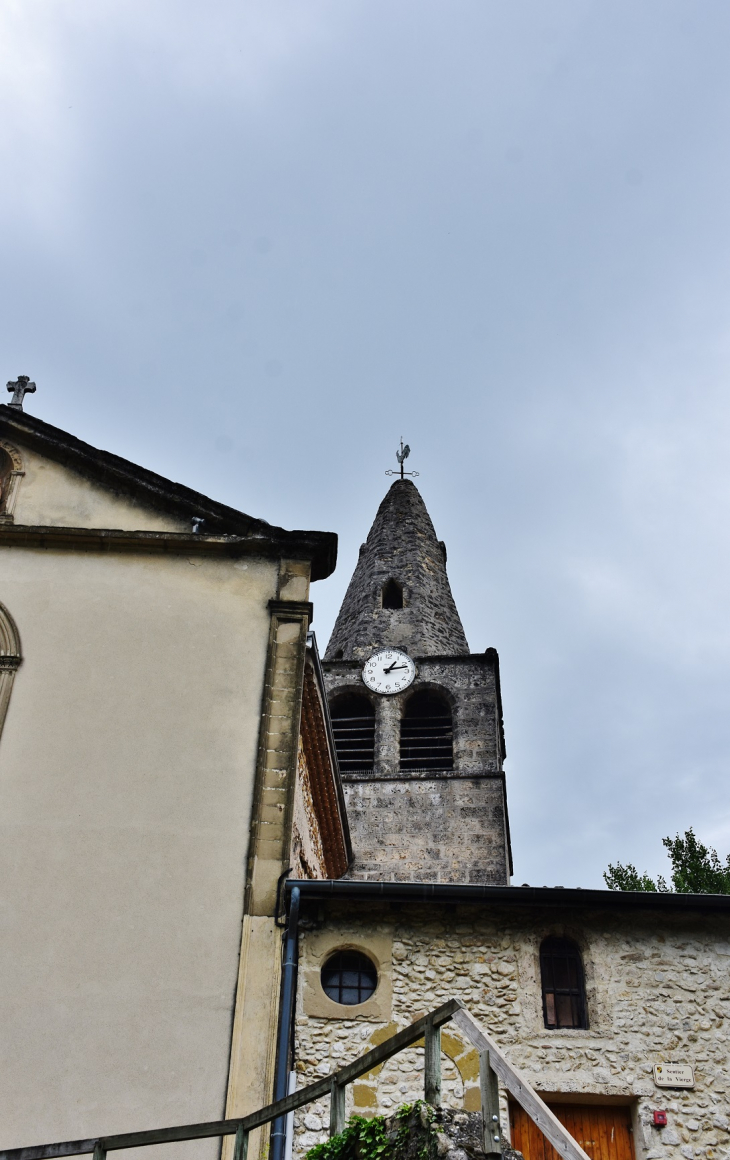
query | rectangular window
[563, 991]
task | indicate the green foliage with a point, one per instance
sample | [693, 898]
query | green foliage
[627, 877]
[696, 869]
[361, 1140]
[368, 1139]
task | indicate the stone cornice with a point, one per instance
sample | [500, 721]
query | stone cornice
[428, 775]
[319, 547]
[485, 658]
[293, 608]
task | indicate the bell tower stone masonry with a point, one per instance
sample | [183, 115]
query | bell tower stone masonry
[422, 768]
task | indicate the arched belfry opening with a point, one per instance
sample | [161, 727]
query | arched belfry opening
[353, 727]
[392, 594]
[426, 733]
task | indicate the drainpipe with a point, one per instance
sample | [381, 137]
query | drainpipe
[286, 1017]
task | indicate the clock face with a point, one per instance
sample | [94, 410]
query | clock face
[388, 671]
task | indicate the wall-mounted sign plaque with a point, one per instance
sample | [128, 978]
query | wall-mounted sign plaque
[674, 1075]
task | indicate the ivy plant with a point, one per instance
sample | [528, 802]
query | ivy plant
[370, 1139]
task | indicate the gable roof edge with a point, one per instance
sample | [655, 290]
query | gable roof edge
[147, 487]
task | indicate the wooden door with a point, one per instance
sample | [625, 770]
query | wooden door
[603, 1131]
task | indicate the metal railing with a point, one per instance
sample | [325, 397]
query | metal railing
[493, 1067]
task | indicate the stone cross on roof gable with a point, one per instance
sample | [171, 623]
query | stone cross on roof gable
[20, 389]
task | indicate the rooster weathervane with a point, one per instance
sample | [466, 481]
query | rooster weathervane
[401, 456]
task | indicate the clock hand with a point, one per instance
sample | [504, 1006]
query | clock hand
[394, 666]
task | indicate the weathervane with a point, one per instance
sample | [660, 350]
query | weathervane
[401, 456]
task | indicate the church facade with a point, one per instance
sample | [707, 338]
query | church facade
[165, 758]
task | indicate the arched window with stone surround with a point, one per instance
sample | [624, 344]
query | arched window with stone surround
[10, 658]
[353, 727]
[11, 472]
[426, 733]
[6, 471]
[563, 985]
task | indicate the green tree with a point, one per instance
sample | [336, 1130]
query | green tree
[696, 869]
[627, 877]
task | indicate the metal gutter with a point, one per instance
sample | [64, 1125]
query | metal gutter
[509, 896]
[286, 1017]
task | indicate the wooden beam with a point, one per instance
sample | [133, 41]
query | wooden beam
[432, 1068]
[517, 1085]
[337, 1108]
[240, 1150]
[490, 1106]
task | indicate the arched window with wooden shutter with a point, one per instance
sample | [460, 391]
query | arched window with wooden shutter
[426, 733]
[353, 727]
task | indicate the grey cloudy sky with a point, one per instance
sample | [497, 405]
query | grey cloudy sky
[249, 243]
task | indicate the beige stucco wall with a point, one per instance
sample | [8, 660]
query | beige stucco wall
[658, 990]
[126, 774]
[51, 494]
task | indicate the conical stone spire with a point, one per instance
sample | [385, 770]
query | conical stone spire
[401, 547]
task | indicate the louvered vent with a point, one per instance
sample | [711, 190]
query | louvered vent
[426, 734]
[353, 726]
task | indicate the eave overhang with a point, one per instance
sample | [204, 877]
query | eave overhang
[333, 810]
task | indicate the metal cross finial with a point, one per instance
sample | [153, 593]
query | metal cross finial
[401, 456]
[20, 389]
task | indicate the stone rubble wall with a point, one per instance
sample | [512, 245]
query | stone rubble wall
[401, 546]
[444, 830]
[658, 990]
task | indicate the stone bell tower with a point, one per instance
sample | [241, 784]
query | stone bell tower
[422, 768]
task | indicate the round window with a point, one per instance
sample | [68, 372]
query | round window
[349, 977]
